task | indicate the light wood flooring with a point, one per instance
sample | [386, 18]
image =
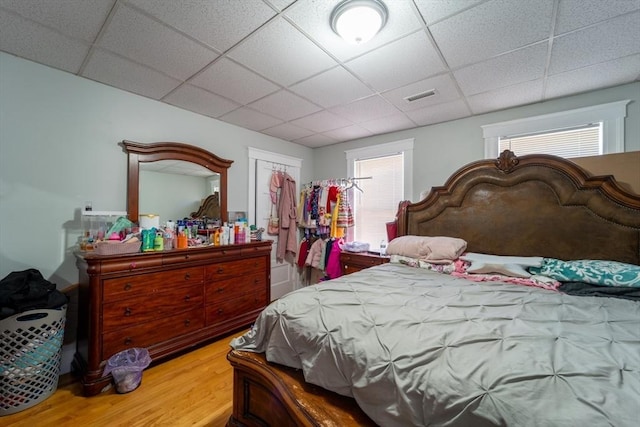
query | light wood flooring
[194, 389]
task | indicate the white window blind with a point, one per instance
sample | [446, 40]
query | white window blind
[568, 143]
[377, 204]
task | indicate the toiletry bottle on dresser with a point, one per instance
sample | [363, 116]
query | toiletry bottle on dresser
[232, 236]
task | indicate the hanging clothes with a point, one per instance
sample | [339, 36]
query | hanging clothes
[345, 216]
[336, 232]
[333, 268]
[288, 219]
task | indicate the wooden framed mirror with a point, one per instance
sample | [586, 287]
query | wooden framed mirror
[141, 154]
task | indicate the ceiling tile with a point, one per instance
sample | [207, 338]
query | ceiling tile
[387, 124]
[81, 19]
[333, 87]
[250, 119]
[347, 133]
[285, 105]
[365, 109]
[610, 73]
[287, 131]
[282, 54]
[31, 41]
[317, 140]
[119, 72]
[219, 24]
[285, 73]
[505, 70]
[445, 91]
[413, 58]
[200, 101]
[314, 18]
[574, 14]
[321, 122]
[233, 81]
[512, 96]
[610, 40]
[144, 40]
[281, 4]
[439, 113]
[433, 11]
[492, 28]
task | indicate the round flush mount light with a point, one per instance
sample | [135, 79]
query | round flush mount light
[357, 21]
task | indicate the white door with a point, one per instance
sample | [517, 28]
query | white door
[284, 275]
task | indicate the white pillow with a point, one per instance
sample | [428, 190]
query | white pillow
[436, 249]
[513, 266]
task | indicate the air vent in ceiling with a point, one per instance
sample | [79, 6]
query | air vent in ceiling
[420, 95]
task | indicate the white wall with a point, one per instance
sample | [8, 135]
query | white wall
[439, 150]
[59, 138]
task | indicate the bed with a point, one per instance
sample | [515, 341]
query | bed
[401, 345]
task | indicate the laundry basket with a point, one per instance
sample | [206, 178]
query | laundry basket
[30, 357]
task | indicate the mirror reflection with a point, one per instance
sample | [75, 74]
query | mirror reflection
[175, 189]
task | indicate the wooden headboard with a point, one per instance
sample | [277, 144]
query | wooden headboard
[534, 205]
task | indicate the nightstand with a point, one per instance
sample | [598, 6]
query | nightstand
[351, 262]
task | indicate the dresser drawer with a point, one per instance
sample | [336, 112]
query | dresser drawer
[131, 286]
[185, 255]
[352, 262]
[131, 264]
[147, 334]
[225, 270]
[227, 310]
[143, 308]
[235, 287]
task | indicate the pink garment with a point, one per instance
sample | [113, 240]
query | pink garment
[288, 215]
[333, 268]
[553, 285]
[276, 182]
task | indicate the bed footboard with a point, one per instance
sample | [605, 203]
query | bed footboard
[266, 394]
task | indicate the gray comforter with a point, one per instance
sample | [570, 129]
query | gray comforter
[415, 347]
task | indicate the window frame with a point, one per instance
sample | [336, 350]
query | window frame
[404, 147]
[611, 115]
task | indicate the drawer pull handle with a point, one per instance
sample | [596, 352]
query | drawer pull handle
[127, 286]
[220, 311]
[128, 341]
[132, 265]
[187, 276]
[220, 290]
[256, 281]
[127, 311]
[186, 257]
[187, 322]
[220, 270]
[187, 297]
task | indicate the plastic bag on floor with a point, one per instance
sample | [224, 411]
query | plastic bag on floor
[126, 368]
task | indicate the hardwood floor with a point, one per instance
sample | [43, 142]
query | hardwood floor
[194, 389]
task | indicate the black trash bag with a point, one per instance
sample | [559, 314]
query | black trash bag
[126, 368]
[27, 290]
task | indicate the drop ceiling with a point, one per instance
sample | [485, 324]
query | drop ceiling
[276, 67]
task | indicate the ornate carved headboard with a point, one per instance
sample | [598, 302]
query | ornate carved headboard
[534, 205]
[210, 208]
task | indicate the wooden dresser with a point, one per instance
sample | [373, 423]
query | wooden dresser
[165, 301]
[350, 262]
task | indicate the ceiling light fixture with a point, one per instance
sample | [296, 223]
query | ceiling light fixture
[357, 21]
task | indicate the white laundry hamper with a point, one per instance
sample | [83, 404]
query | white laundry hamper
[30, 357]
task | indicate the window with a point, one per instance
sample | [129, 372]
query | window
[567, 134]
[567, 143]
[390, 169]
